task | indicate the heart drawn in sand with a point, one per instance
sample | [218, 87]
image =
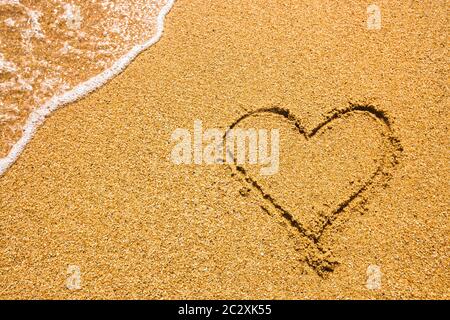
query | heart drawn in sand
[322, 170]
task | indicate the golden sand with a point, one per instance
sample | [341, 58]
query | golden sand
[96, 188]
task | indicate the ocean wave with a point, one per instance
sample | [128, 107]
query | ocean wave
[54, 52]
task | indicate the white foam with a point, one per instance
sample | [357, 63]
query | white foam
[6, 66]
[37, 117]
[72, 16]
[9, 2]
[10, 22]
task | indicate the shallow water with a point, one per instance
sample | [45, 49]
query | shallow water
[50, 47]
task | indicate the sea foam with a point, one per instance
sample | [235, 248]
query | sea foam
[67, 94]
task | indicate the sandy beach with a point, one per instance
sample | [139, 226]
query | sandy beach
[363, 177]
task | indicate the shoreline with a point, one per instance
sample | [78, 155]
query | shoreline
[38, 116]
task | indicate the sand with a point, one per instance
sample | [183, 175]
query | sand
[96, 188]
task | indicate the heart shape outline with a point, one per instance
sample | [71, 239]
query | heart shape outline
[320, 259]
